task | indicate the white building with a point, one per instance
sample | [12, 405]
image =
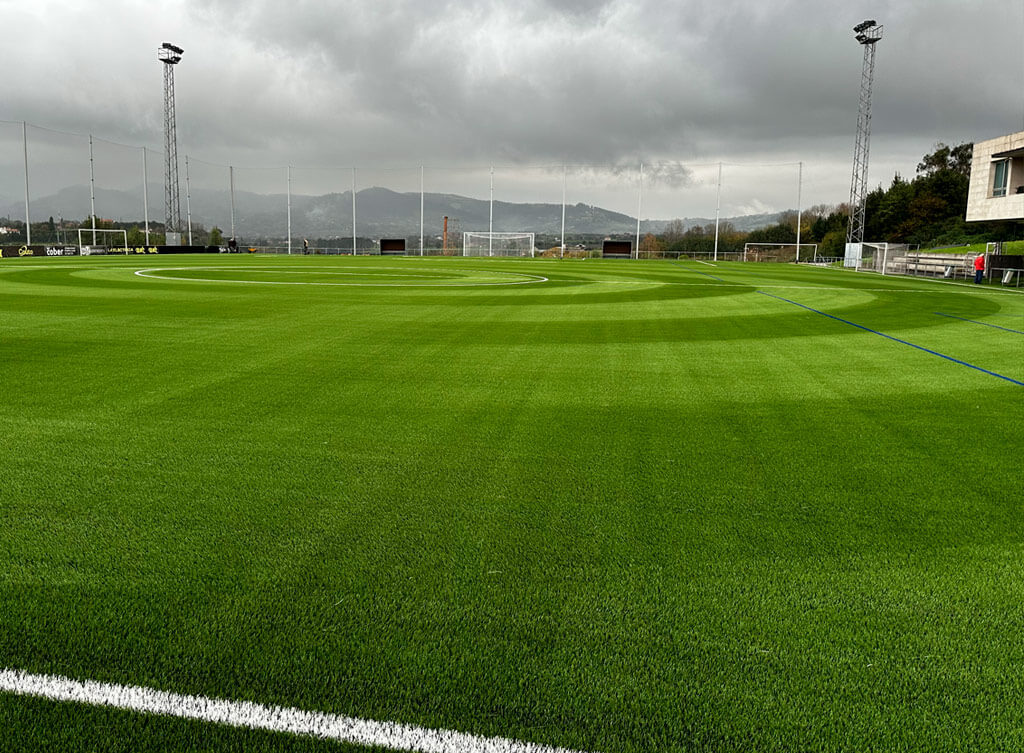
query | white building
[997, 179]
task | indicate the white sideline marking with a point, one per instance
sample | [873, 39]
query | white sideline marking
[754, 287]
[705, 262]
[403, 737]
[969, 285]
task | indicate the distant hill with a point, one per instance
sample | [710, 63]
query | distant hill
[380, 212]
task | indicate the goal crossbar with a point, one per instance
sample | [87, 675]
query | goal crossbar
[777, 251]
[86, 248]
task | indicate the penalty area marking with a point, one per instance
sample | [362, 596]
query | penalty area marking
[345, 729]
[470, 283]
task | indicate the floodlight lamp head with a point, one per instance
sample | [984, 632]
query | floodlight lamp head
[169, 53]
[868, 32]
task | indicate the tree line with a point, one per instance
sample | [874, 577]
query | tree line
[65, 232]
[927, 211]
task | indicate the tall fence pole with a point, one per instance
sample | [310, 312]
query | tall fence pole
[718, 208]
[639, 209]
[231, 189]
[188, 202]
[799, 209]
[28, 221]
[490, 221]
[289, 182]
[92, 192]
[561, 254]
[353, 211]
[145, 194]
[421, 210]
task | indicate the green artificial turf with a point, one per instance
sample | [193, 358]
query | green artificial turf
[639, 506]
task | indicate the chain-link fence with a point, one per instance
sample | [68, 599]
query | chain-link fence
[570, 209]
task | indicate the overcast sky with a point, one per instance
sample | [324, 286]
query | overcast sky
[513, 83]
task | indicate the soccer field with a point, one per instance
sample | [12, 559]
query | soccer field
[605, 506]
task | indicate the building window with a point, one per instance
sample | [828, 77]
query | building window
[1001, 175]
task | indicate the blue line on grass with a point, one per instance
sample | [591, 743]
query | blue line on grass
[983, 324]
[705, 274]
[895, 339]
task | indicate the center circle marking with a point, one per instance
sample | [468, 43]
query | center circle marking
[155, 273]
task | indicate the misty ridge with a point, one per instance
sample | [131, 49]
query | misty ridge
[380, 212]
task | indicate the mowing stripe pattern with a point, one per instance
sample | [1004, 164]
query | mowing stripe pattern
[895, 339]
[391, 735]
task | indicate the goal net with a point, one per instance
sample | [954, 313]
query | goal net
[497, 244]
[780, 252]
[885, 258]
[102, 241]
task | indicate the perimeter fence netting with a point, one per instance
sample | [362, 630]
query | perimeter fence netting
[666, 209]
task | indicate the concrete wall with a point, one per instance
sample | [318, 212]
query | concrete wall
[981, 204]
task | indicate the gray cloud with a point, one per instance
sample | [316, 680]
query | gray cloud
[612, 82]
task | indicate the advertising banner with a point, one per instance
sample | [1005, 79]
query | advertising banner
[14, 252]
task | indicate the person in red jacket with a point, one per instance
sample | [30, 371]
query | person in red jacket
[979, 268]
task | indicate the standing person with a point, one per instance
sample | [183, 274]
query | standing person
[979, 268]
[305, 246]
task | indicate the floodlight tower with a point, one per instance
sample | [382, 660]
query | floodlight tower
[868, 33]
[170, 56]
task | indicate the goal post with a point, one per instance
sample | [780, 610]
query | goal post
[883, 258]
[484, 243]
[873, 257]
[105, 241]
[780, 252]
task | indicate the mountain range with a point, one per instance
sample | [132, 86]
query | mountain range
[380, 212]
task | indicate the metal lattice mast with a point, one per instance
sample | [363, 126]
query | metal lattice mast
[170, 55]
[868, 33]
